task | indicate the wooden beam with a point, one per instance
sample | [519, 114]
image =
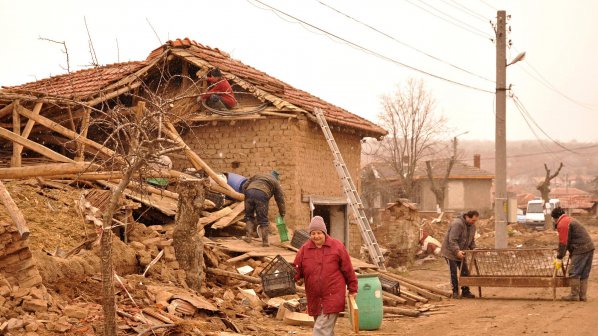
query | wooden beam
[6, 110]
[199, 164]
[229, 219]
[34, 146]
[29, 127]
[83, 133]
[50, 169]
[250, 279]
[65, 131]
[13, 210]
[16, 128]
[113, 94]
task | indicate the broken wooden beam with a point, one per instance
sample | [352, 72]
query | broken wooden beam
[230, 218]
[34, 146]
[250, 279]
[50, 169]
[432, 289]
[13, 210]
[401, 311]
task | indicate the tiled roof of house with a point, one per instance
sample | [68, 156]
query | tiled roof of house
[79, 84]
[278, 88]
[84, 84]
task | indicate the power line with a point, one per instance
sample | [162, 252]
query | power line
[355, 45]
[461, 25]
[487, 4]
[466, 10]
[521, 107]
[403, 43]
[541, 153]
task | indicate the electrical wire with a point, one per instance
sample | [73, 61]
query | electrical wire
[403, 43]
[369, 51]
[466, 10]
[489, 5]
[461, 25]
[522, 108]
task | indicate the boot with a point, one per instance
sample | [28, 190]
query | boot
[583, 290]
[249, 228]
[574, 296]
[263, 232]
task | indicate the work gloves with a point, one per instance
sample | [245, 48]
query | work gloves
[558, 263]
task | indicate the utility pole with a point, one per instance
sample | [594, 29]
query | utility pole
[500, 190]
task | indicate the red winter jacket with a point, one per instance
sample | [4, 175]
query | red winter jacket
[327, 272]
[222, 88]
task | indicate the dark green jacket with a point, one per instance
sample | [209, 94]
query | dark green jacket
[460, 236]
[270, 186]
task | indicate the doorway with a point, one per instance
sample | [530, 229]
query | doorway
[336, 218]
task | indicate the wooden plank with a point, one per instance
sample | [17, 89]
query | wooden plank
[15, 161]
[353, 313]
[229, 219]
[166, 205]
[250, 279]
[487, 281]
[214, 216]
[6, 110]
[13, 210]
[34, 146]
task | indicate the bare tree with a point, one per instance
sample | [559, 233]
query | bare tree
[544, 188]
[413, 129]
[438, 186]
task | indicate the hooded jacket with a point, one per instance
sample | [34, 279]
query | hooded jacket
[328, 273]
[460, 236]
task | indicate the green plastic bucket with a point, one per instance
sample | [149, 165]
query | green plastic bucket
[369, 301]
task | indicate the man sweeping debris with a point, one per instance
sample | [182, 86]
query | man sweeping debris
[258, 190]
[574, 237]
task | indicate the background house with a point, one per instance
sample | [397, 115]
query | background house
[468, 187]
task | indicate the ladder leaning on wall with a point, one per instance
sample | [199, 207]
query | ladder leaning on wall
[351, 192]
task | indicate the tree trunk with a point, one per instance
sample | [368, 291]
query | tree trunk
[544, 188]
[187, 242]
[108, 303]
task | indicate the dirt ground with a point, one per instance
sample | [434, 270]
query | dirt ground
[501, 311]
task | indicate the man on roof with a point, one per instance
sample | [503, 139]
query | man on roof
[220, 94]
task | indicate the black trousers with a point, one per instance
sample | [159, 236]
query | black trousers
[454, 266]
[256, 207]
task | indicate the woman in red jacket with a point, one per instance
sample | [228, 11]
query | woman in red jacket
[325, 265]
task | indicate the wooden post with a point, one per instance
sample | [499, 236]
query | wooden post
[83, 133]
[14, 212]
[16, 128]
[27, 130]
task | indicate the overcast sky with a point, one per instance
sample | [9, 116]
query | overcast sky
[557, 84]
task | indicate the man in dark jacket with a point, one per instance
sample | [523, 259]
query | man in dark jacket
[459, 237]
[325, 265]
[573, 237]
[258, 190]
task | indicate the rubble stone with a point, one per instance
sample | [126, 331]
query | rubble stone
[35, 305]
[76, 311]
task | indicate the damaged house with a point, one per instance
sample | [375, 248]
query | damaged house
[58, 120]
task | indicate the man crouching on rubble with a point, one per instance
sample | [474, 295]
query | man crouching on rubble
[459, 237]
[326, 266]
[573, 237]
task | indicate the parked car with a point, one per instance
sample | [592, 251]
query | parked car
[520, 216]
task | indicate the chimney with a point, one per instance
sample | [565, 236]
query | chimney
[476, 160]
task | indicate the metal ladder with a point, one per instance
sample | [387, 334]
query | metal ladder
[351, 193]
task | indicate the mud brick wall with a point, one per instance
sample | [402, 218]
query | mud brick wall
[295, 147]
[16, 262]
[399, 232]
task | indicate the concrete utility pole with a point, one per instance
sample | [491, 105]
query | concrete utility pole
[500, 190]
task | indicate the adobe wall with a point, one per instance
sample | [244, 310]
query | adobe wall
[295, 147]
[16, 262]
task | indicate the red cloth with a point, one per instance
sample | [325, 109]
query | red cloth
[327, 272]
[222, 88]
[563, 229]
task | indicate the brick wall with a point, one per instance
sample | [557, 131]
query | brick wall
[295, 147]
[16, 262]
